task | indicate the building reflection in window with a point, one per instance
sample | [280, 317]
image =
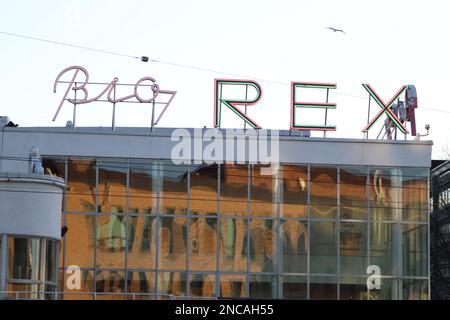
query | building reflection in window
[81, 184]
[111, 241]
[203, 244]
[264, 191]
[323, 288]
[172, 188]
[203, 189]
[353, 192]
[172, 243]
[142, 193]
[324, 247]
[233, 286]
[172, 283]
[385, 190]
[353, 288]
[415, 289]
[294, 238]
[141, 282]
[86, 286]
[202, 285]
[414, 194]
[384, 246]
[112, 184]
[262, 245]
[353, 247]
[80, 240]
[233, 244]
[263, 287]
[415, 247]
[295, 191]
[323, 183]
[233, 189]
[111, 283]
[294, 287]
[141, 241]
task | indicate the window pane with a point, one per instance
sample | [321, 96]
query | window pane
[202, 285]
[295, 191]
[172, 243]
[385, 188]
[323, 247]
[142, 193]
[141, 242]
[353, 288]
[25, 259]
[172, 283]
[263, 192]
[415, 247]
[86, 285]
[384, 246]
[141, 282]
[203, 244]
[173, 188]
[388, 291]
[80, 240]
[353, 248]
[233, 244]
[25, 291]
[81, 185]
[111, 241]
[294, 238]
[415, 289]
[353, 190]
[233, 286]
[415, 194]
[233, 189]
[294, 287]
[323, 192]
[112, 184]
[50, 261]
[323, 288]
[204, 189]
[262, 245]
[263, 287]
[108, 282]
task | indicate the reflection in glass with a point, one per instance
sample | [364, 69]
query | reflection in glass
[415, 289]
[142, 193]
[353, 191]
[50, 260]
[141, 242]
[323, 288]
[294, 287]
[388, 291]
[79, 248]
[172, 283]
[110, 282]
[71, 292]
[415, 247]
[203, 189]
[203, 244]
[294, 245]
[202, 285]
[385, 189]
[141, 282]
[384, 246]
[24, 259]
[323, 247]
[81, 178]
[110, 241]
[112, 184]
[263, 251]
[415, 194]
[233, 286]
[263, 192]
[323, 192]
[233, 189]
[353, 248]
[262, 287]
[295, 191]
[19, 291]
[172, 243]
[173, 188]
[353, 288]
[233, 244]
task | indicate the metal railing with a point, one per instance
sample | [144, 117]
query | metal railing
[52, 295]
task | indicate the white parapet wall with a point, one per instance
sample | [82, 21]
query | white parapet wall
[30, 204]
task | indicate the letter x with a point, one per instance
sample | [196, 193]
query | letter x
[385, 108]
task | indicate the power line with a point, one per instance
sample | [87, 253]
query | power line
[180, 65]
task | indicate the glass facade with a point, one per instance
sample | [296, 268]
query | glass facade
[304, 232]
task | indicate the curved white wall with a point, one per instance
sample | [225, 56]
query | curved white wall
[30, 205]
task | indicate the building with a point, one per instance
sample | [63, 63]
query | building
[440, 230]
[137, 223]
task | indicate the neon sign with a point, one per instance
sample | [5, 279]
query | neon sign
[398, 113]
[110, 91]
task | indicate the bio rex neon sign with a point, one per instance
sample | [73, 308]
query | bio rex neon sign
[397, 112]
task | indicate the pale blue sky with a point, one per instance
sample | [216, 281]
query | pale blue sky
[388, 44]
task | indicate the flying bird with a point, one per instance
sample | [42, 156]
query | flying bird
[336, 30]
